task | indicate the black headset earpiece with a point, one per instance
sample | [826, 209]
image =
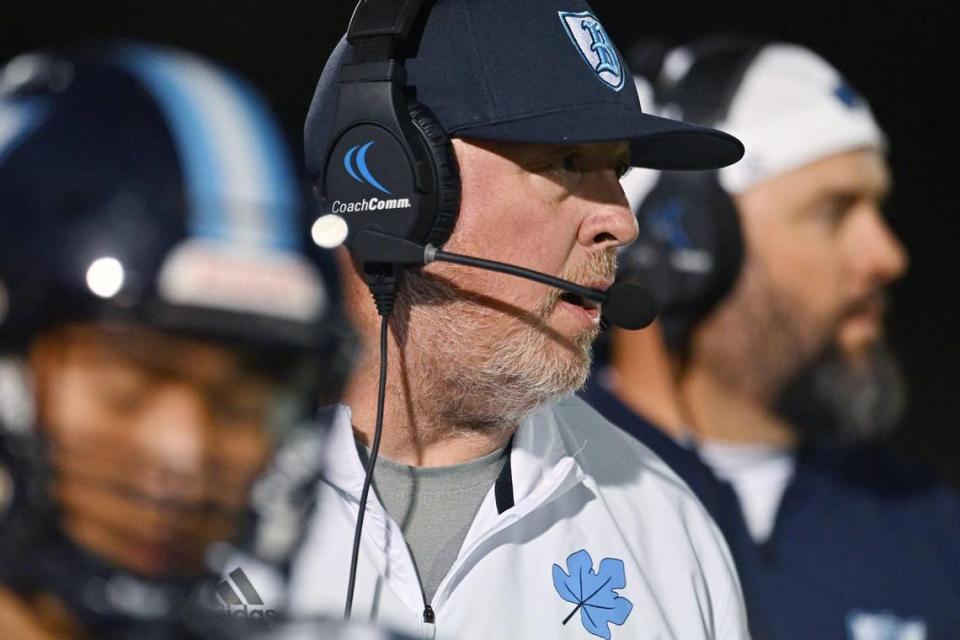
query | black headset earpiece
[689, 250]
[446, 172]
[391, 167]
[690, 246]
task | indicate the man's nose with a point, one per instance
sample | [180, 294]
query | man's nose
[609, 223]
[880, 257]
[175, 432]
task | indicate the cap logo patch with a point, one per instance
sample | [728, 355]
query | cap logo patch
[847, 95]
[865, 625]
[588, 35]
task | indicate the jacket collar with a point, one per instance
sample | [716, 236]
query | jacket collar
[539, 460]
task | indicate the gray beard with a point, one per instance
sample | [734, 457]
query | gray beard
[844, 402]
[761, 342]
[479, 368]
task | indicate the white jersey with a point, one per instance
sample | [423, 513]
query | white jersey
[600, 539]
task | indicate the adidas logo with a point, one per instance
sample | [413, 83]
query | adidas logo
[240, 599]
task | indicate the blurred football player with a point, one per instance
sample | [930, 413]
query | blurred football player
[163, 326]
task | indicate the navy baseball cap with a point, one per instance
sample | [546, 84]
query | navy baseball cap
[541, 71]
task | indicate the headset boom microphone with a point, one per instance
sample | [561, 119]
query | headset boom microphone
[625, 305]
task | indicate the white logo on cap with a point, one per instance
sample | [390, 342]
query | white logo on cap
[862, 625]
[594, 45]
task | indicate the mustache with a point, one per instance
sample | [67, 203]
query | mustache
[877, 299]
[425, 289]
[597, 266]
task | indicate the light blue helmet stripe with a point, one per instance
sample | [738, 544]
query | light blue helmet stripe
[17, 119]
[282, 182]
[158, 72]
[240, 182]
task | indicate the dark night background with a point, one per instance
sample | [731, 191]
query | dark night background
[901, 55]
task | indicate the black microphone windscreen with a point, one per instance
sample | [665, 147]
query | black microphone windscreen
[629, 306]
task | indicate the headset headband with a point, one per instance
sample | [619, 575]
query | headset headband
[706, 92]
[384, 21]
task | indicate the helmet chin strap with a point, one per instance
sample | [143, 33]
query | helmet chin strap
[95, 591]
[18, 413]
[25, 506]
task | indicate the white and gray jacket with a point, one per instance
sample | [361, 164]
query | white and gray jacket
[585, 534]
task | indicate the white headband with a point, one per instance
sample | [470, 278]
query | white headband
[793, 108]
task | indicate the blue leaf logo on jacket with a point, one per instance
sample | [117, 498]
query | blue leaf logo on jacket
[593, 593]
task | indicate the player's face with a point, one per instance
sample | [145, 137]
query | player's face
[154, 441]
[820, 236]
[555, 209]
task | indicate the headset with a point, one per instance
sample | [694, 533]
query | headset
[404, 226]
[414, 154]
[690, 248]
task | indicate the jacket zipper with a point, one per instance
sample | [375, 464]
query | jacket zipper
[441, 594]
[429, 622]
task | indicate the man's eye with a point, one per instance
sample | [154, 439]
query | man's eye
[122, 397]
[566, 171]
[567, 163]
[833, 212]
[241, 404]
[118, 388]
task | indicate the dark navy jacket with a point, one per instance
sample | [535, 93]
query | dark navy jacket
[863, 548]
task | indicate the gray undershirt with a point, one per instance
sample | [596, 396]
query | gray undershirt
[434, 507]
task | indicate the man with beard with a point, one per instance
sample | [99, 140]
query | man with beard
[771, 276]
[503, 507]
